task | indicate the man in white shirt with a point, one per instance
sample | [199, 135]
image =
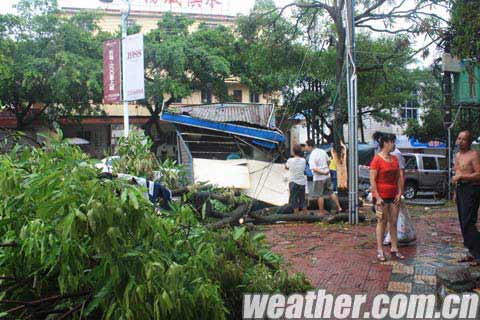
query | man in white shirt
[296, 166]
[322, 183]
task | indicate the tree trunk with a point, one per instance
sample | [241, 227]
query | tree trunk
[342, 174]
[232, 219]
[286, 217]
[360, 122]
[308, 128]
[321, 128]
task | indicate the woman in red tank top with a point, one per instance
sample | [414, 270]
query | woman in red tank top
[386, 189]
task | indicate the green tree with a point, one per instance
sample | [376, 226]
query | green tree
[308, 15]
[386, 81]
[275, 60]
[465, 25]
[50, 66]
[324, 21]
[179, 62]
[281, 59]
[267, 59]
[430, 128]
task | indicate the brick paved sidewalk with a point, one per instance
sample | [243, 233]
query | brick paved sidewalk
[342, 258]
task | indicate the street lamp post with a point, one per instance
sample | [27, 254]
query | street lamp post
[352, 114]
[126, 123]
[125, 14]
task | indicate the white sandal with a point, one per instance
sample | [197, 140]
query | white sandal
[381, 256]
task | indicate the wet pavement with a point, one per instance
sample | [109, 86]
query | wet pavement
[342, 258]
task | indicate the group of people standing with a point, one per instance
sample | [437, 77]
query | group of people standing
[387, 181]
[310, 178]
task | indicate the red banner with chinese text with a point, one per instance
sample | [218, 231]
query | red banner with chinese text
[111, 72]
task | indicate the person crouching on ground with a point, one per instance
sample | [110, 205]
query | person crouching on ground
[387, 190]
[296, 167]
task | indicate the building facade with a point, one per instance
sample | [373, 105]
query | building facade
[410, 110]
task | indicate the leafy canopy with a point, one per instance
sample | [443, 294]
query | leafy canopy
[465, 24]
[178, 61]
[50, 65]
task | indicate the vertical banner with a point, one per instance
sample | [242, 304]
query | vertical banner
[133, 77]
[111, 72]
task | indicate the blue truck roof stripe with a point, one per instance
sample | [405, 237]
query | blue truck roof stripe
[256, 133]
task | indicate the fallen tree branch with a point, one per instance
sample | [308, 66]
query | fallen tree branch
[9, 278]
[217, 215]
[287, 217]
[232, 219]
[286, 209]
[181, 191]
[17, 308]
[257, 258]
[8, 244]
[201, 197]
[71, 311]
[342, 217]
[47, 299]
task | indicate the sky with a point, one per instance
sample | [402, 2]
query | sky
[228, 7]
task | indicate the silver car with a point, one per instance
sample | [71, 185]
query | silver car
[423, 172]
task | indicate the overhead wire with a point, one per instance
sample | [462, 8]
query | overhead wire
[280, 125]
[337, 90]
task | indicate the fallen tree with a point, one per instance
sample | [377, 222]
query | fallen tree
[232, 208]
[75, 246]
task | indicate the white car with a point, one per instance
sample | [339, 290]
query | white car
[106, 164]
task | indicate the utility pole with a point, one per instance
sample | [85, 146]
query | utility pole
[125, 14]
[126, 122]
[352, 114]
[447, 118]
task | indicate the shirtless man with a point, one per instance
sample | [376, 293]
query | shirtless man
[467, 179]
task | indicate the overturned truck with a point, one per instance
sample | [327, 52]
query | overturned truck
[232, 146]
[217, 131]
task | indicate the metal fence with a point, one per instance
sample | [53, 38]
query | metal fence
[185, 157]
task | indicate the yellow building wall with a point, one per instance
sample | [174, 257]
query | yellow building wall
[195, 98]
[111, 22]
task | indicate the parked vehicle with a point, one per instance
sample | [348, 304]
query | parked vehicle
[423, 172]
[106, 164]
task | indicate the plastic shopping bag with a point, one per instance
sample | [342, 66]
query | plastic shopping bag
[405, 229]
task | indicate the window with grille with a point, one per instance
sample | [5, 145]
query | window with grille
[254, 97]
[409, 110]
[237, 95]
[206, 96]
